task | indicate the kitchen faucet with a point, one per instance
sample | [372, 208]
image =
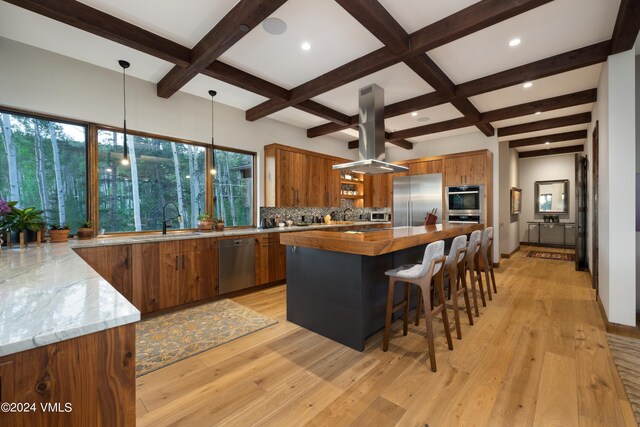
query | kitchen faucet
[164, 217]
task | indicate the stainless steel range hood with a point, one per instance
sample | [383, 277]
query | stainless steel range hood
[372, 138]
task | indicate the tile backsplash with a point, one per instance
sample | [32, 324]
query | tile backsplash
[297, 214]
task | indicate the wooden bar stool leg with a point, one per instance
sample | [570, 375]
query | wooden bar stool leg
[453, 291]
[486, 277]
[463, 281]
[443, 306]
[418, 306]
[493, 280]
[478, 276]
[405, 313]
[429, 325]
[387, 319]
[473, 291]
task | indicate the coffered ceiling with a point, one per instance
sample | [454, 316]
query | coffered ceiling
[447, 61]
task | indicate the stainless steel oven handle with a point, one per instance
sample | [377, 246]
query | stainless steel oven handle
[464, 192]
[464, 222]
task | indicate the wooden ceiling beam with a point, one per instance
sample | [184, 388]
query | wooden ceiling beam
[312, 107]
[558, 122]
[431, 128]
[228, 74]
[537, 140]
[470, 112]
[548, 104]
[400, 143]
[471, 19]
[328, 128]
[243, 17]
[375, 18]
[557, 64]
[551, 151]
[94, 21]
[627, 25]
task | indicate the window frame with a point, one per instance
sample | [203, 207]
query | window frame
[91, 156]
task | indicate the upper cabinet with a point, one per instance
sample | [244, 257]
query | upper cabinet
[426, 167]
[377, 191]
[300, 178]
[464, 170]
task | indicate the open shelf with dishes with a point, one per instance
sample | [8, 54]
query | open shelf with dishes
[352, 188]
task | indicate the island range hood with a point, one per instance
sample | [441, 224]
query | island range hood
[372, 137]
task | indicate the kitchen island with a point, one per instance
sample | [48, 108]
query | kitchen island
[336, 284]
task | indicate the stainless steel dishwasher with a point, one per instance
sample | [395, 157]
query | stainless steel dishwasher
[236, 265]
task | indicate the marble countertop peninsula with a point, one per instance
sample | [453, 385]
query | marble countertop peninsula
[49, 294]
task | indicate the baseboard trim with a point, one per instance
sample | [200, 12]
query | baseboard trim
[496, 264]
[548, 245]
[510, 254]
[617, 328]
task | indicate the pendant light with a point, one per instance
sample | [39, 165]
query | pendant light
[213, 146]
[125, 157]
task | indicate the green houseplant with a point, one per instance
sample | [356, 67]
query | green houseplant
[15, 221]
[58, 233]
[85, 231]
[205, 223]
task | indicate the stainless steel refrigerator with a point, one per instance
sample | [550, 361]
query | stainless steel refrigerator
[414, 196]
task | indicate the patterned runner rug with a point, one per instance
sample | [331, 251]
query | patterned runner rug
[169, 338]
[556, 256]
[626, 355]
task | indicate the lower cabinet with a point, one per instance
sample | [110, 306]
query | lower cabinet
[113, 263]
[168, 274]
[271, 259]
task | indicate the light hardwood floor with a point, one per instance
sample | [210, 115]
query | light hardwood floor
[538, 355]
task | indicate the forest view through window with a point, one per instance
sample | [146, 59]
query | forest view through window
[131, 198]
[233, 187]
[43, 164]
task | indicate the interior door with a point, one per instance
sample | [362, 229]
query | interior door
[581, 212]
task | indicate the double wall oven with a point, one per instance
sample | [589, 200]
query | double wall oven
[465, 204]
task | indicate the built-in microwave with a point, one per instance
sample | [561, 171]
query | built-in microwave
[464, 200]
[379, 216]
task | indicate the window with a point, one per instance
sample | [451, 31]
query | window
[132, 198]
[233, 187]
[43, 164]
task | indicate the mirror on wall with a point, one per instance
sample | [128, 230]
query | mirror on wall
[552, 196]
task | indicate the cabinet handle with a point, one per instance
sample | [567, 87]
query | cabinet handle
[183, 262]
[176, 262]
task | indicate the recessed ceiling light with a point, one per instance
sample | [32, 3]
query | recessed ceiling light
[547, 143]
[274, 26]
[514, 42]
[527, 85]
[305, 46]
[414, 114]
[538, 112]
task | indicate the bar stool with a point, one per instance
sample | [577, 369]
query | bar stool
[471, 265]
[454, 271]
[486, 249]
[422, 276]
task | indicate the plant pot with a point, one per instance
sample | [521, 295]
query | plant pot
[219, 226]
[85, 233]
[29, 236]
[205, 225]
[58, 236]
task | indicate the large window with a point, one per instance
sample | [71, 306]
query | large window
[132, 198]
[43, 164]
[233, 187]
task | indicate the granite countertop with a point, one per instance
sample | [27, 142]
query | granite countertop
[49, 294]
[181, 235]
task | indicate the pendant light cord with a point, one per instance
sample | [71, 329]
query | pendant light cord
[124, 101]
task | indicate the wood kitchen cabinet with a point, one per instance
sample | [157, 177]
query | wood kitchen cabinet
[300, 178]
[464, 170]
[271, 259]
[168, 274]
[113, 263]
[426, 167]
[377, 191]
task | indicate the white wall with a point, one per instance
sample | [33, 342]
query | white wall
[44, 82]
[509, 177]
[637, 171]
[547, 168]
[615, 112]
[458, 144]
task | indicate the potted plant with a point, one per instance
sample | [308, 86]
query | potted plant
[15, 221]
[58, 233]
[205, 223]
[219, 224]
[85, 231]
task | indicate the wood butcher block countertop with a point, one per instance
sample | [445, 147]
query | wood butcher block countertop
[376, 242]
